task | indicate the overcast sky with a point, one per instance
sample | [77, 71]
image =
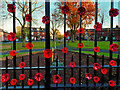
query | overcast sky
[103, 6]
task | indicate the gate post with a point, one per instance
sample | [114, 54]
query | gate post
[47, 46]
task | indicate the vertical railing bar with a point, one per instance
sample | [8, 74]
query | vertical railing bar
[102, 82]
[38, 71]
[22, 73]
[30, 51]
[57, 70]
[14, 45]
[111, 41]
[80, 48]
[87, 71]
[6, 71]
[95, 32]
[117, 81]
[72, 71]
[64, 46]
[47, 46]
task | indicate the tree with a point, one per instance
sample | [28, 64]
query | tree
[18, 33]
[73, 18]
[23, 7]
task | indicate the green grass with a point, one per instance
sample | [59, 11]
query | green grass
[35, 46]
[99, 53]
[104, 45]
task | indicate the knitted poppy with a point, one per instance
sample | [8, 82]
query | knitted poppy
[81, 30]
[88, 76]
[113, 12]
[30, 82]
[114, 47]
[38, 76]
[13, 82]
[45, 19]
[72, 64]
[56, 78]
[96, 66]
[104, 71]
[5, 77]
[80, 45]
[65, 50]
[29, 45]
[111, 83]
[11, 8]
[12, 36]
[81, 11]
[66, 34]
[96, 79]
[28, 17]
[13, 53]
[65, 9]
[47, 53]
[112, 63]
[22, 76]
[98, 26]
[22, 65]
[96, 49]
[72, 80]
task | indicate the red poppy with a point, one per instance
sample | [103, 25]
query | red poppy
[96, 79]
[22, 65]
[98, 26]
[96, 49]
[38, 76]
[65, 50]
[112, 83]
[5, 77]
[88, 76]
[22, 76]
[114, 47]
[113, 12]
[29, 45]
[56, 78]
[104, 71]
[30, 82]
[112, 63]
[80, 45]
[72, 80]
[81, 30]
[13, 53]
[96, 66]
[13, 82]
[11, 8]
[47, 53]
[65, 9]
[81, 11]
[46, 19]
[72, 64]
[28, 17]
[66, 34]
[12, 36]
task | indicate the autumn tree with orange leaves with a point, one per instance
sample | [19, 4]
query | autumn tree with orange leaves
[73, 19]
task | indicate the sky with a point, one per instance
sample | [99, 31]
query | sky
[7, 24]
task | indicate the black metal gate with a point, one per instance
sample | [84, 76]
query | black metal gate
[47, 66]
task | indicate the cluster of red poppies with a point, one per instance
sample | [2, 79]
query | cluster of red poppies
[6, 77]
[96, 67]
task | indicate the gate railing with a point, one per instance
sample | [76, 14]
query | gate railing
[47, 66]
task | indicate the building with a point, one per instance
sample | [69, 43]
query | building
[3, 35]
[104, 34]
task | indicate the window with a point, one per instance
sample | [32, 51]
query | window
[38, 33]
[32, 33]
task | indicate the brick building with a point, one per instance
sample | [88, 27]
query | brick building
[3, 35]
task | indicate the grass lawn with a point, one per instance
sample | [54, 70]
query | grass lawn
[104, 45]
[19, 46]
[99, 53]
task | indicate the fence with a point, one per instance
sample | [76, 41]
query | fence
[47, 66]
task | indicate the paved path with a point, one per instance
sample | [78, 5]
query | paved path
[60, 47]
